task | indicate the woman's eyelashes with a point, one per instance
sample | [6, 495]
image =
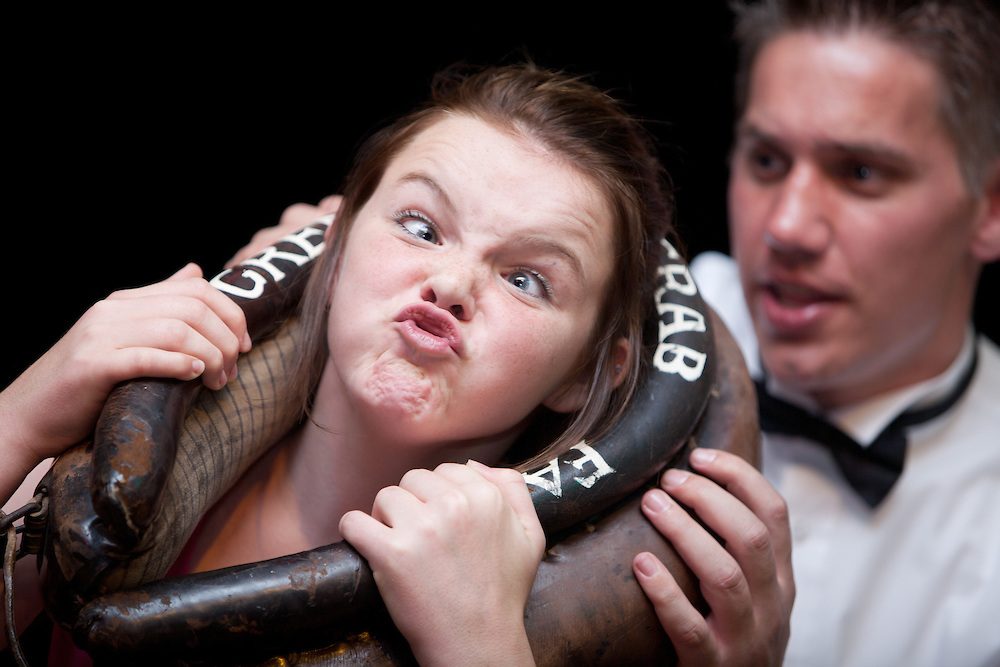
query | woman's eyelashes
[530, 282]
[418, 225]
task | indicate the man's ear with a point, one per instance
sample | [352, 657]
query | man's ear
[571, 396]
[986, 237]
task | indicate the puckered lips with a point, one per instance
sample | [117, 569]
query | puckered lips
[794, 307]
[430, 330]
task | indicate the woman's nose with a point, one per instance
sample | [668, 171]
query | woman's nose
[452, 287]
[799, 226]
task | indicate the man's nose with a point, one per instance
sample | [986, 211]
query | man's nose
[799, 225]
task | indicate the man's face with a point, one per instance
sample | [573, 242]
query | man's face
[849, 217]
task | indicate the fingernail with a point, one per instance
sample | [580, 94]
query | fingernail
[197, 367]
[656, 501]
[702, 455]
[223, 379]
[646, 564]
[247, 343]
[233, 372]
[476, 465]
[675, 477]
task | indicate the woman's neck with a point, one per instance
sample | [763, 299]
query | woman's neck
[292, 499]
[343, 456]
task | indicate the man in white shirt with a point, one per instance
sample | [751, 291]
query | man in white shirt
[864, 199]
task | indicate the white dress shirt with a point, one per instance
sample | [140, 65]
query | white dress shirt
[916, 581]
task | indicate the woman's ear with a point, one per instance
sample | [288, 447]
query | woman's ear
[621, 357]
[571, 396]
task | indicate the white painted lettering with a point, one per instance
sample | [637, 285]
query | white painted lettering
[590, 455]
[304, 239]
[549, 478]
[671, 250]
[684, 361]
[539, 479]
[258, 284]
[684, 319]
[264, 261]
[678, 279]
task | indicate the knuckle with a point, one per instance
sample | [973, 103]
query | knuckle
[89, 329]
[777, 512]
[454, 504]
[790, 593]
[194, 310]
[174, 333]
[758, 539]
[102, 307]
[661, 591]
[507, 475]
[729, 579]
[448, 468]
[142, 361]
[692, 634]
[384, 496]
[229, 347]
[203, 290]
[213, 358]
[412, 476]
[294, 213]
[484, 495]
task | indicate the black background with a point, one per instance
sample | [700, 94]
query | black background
[135, 144]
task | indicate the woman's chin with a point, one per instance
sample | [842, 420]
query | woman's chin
[397, 386]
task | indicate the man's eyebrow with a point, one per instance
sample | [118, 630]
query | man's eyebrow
[423, 179]
[871, 150]
[747, 131]
[868, 151]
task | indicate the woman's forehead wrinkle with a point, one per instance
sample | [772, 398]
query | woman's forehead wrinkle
[421, 178]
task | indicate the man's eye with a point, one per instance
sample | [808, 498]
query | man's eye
[865, 179]
[417, 224]
[861, 172]
[766, 164]
[530, 282]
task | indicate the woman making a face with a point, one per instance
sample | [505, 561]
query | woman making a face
[493, 257]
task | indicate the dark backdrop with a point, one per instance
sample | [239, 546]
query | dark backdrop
[136, 144]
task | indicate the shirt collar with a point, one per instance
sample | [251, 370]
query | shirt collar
[865, 420]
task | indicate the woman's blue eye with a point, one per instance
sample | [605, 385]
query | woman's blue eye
[417, 224]
[530, 282]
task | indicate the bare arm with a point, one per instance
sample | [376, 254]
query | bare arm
[178, 328]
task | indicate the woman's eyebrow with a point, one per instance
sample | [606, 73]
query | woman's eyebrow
[548, 245]
[431, 184]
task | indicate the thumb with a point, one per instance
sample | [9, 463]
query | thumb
[189, 270]
[330, 203]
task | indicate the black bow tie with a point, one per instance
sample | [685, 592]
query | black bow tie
[871, 471]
